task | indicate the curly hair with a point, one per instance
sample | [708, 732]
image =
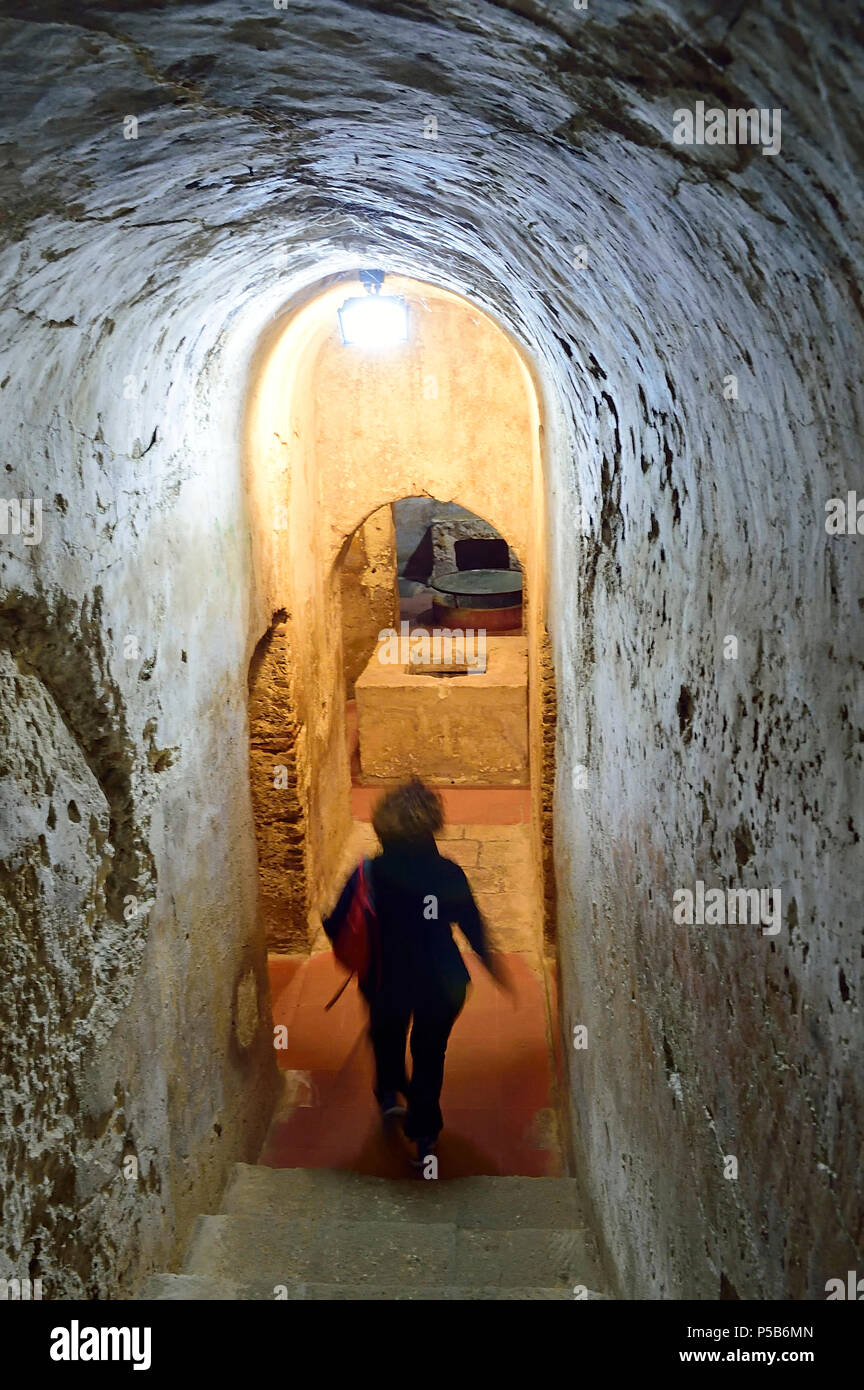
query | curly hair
[409, 814]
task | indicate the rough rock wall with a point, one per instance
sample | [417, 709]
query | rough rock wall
[543, 754]
[521, 153]
[447, 535]
[277, 765]
[413, 517]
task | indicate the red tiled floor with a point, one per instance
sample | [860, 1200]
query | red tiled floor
[283, 970]
[497, 1083]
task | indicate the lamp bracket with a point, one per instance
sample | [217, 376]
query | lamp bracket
[372, 280]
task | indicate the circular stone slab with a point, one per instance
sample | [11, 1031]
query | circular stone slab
[500, 588]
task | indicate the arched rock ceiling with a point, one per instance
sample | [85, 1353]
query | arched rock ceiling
[303, 129]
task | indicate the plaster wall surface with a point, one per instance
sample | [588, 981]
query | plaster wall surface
[449, 414]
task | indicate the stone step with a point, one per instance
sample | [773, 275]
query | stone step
[278, 1251]
[201, 1288]
[490, 1203]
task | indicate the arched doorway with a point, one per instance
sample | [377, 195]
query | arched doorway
[339, 441]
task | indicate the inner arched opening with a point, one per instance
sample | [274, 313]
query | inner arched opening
[431, 592]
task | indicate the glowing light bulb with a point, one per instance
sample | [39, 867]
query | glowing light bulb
[374, 321]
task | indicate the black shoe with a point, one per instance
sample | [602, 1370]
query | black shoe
[425, 1149]
[390, 1106]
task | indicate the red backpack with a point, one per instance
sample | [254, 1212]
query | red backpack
[357, 939]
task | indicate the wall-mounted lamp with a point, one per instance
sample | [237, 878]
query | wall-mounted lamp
[373, 320]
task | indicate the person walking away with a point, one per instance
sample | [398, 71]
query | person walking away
[416, 971]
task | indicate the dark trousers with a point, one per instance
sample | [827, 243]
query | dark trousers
[388, 1030]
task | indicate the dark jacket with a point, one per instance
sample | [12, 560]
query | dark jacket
[417, 894]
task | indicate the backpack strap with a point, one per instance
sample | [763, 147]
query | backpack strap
[340, 991]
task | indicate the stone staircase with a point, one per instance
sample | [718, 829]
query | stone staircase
[314, 1233]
